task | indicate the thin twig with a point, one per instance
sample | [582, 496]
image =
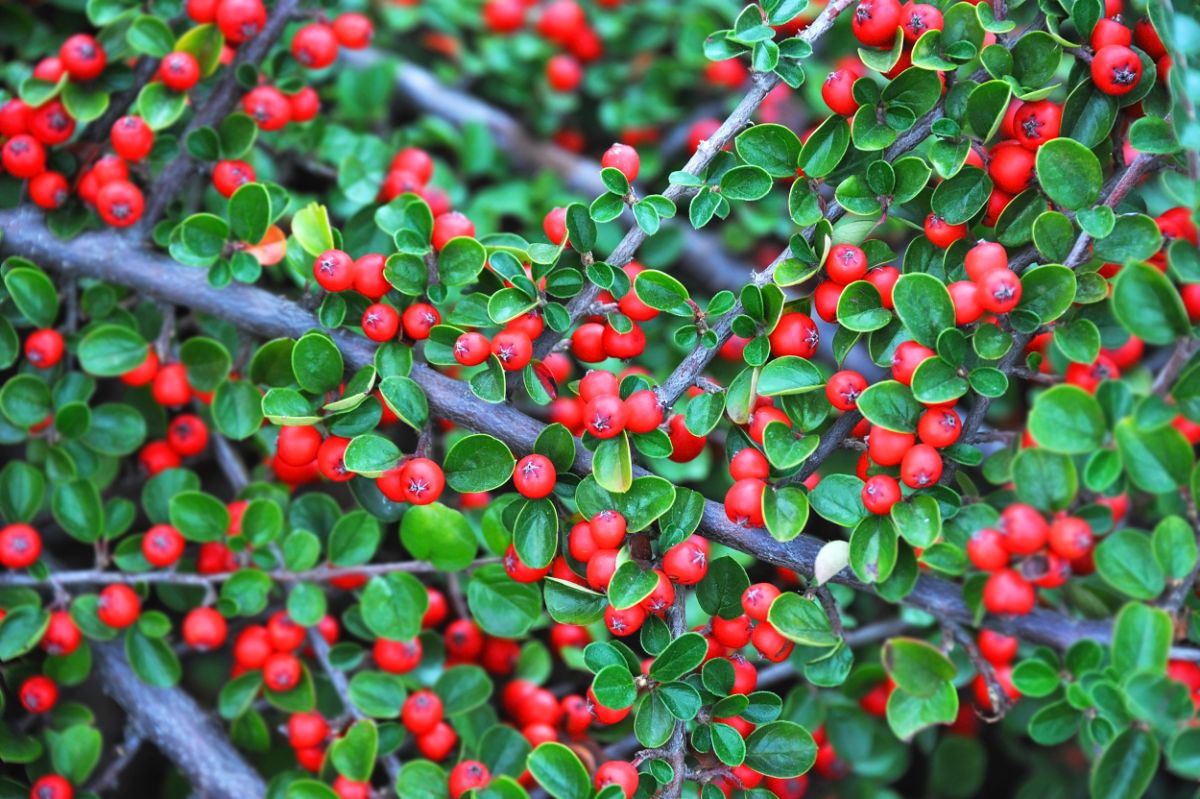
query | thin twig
[1000, 702]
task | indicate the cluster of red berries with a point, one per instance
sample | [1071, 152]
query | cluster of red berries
[239, 20]
[315, 46]
[1045, 555]
[845, 264]
[561, 22]
[621, 157]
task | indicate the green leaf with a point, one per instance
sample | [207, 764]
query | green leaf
[908, 714]
[1141, 639]
[824, 149]
[745, 183]
[393, 604]
[1046, 480]
[20, 630]
[237, 409]
[961, 197]
[1157, 460]
[785, 511]
[917, 667]
[111, 350]
[774, 148]
[1067, 419]
[802, 621]
[781, 749]
[873, 549]
[535, 533]
[500, 605]
[33, 293]
[1126, 767]
[152, 659]
[838, 498]
[647, 499]
[682, 656]
[612, 465]
[317, 363]
[1047, 291]
[924, 306]
[310, 227]
[891, 405]
[661, 292]
[1069, 173]
[1147, 305]
[1175, 547]
[377, 694]
[1125, 560]
[568, 603]
[558, 770]
[198, 516]
[478, 463]
[75, 751]
[790, 374]
[353, 754]
[160, 106]
[250, 212]
[440, 535]
[205, 43]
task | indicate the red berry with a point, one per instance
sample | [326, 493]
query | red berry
[331, 459]
[423, 480]
[119, 606]
[941, 233]
[880, 493]
[38, 694]
[268, 107]
[887, 447]
[999, 291]
[162, 545]
[744, 501]
[120, 203]
[472, 349]
[466, 776]
[534, 476]
[44, 348]
[315, 45]
[624, 159]
[605, 416]
[749, 462]
[1007, 592]
[51, 124]
[228, 176]
[450, 226]
[513, 348]
[997, 648]
[82, 57]
[907, 357]
[921, 467]
[846, 263]
[685, 563]
[307, 730]
[844, 388]
[619, 773]
[438, 742]
[397, 657]
[770, 644]
[204, 629]
[563, 73]
[1070, 537]
[917, 18]
[23, 157]
[241, 20]
[1116, 70]
[624, 622]
[1037, 123]
[62, 636]
[20, 546]
[422, 712]
[51, 786]
[838, 92]
[179, 71]
[380, 322]
[795, 334]
[353, 30]
[1025, 531]
[939, 428]
[875, 22]
[334, 270]
[132, 138]
[282, 672]
[757, 599]
[187, 435]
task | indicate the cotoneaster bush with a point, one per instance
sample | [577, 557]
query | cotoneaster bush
[359, 443]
